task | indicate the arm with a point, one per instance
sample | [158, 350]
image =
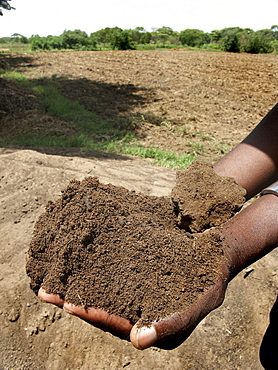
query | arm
[254, 162]
[248, 236]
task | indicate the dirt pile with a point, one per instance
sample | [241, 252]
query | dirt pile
[108, 247]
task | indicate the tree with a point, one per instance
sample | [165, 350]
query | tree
[39, 43]
[267, 34]
[4, 4]
[163, 35]
[121, 40]
[216, 35]
[231, 43]
[17, 37]
[193, 37]
[165, 30]
[274, 30]
[140, 29]
[77, 40]
[146, 38]
[256, 44]
[136, 34]
[103, 36]
[73, 40]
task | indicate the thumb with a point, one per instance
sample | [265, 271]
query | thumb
[167, 333]
[143, 336]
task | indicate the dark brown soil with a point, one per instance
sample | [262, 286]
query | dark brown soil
[108, 247]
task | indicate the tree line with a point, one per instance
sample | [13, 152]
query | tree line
[232, 39]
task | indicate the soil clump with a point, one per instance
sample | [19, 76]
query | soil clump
[203, 199]
[107, 247]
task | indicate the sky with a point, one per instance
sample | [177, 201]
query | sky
[52, 17]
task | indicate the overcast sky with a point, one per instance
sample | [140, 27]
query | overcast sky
[52, 17]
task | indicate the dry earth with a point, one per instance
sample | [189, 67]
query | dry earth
[213, 99]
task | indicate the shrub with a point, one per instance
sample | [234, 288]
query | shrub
[39, 43]
[256, 44]
[121, 40]
[231, 43]
[75, 40]
[274, 45]
[192, 37]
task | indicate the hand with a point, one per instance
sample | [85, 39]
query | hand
[116, 325]
[248, 236]
[170, 332]
[167, 333]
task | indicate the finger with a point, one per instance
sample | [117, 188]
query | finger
[50, 298]
[101, 319]
[166, 333]
[143, 337]
[170, 332]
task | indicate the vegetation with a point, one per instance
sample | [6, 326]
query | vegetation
[232, 39]
[192, 37]
[5, 4]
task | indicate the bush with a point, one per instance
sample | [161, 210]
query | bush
[255, 44]
[121, 40]
[231, 43]
[75, 40]
[39, 43]
[192, 37]
[274, 45]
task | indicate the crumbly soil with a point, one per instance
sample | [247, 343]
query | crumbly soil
[107, 247]
[206, 102]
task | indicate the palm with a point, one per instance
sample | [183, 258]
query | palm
[167, 333]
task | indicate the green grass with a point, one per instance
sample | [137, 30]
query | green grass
[14, 47]
[92, 132]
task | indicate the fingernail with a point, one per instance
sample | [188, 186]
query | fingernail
[145, 337]
[67, 308]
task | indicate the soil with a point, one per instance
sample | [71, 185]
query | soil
[183, 101]
[204, 100]
[107, 247]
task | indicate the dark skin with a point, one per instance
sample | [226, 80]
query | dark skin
[248, 236]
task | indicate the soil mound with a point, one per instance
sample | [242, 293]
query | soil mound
[108, 247]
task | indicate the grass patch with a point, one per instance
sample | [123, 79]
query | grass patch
[164, 158]
[14, 47]
[15, 76]
[92, 132]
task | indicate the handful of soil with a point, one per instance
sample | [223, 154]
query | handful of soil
[107, 247]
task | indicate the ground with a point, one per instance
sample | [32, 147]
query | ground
[204, 100]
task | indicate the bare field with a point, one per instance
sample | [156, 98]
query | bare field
[182, 100]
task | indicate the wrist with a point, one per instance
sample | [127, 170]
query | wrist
[251, 234]
[272, 189]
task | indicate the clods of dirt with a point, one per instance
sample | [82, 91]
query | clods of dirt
[204, 199]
